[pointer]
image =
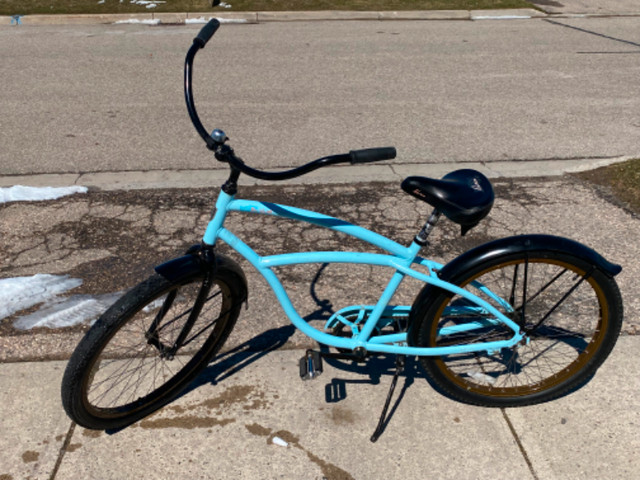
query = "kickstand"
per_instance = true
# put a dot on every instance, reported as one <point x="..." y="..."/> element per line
<point x="400" y="361"/>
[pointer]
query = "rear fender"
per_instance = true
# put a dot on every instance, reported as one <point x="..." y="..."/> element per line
<point x="527" y="243"/>
<point x="505" y="247"/>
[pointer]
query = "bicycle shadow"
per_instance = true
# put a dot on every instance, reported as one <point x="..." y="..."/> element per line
<point x="376" y="368"/>
<point x="242" y="356"/>
<point x="233" y="361"/>
<point x="371" y="372"/>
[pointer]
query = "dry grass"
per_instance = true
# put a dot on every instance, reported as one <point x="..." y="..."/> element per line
<point x="621" y="180"/>
<point x="13" y="7"/>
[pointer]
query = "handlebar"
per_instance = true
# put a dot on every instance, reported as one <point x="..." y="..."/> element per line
<point x="372" y="154"/>
<point x="206" y="32"/>
<point x="225" y="153"/>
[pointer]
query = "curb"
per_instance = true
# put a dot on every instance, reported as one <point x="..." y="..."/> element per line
<point x="169" y="179"/>
<point x="293" y="16"/>
<point x="263" y="17"/>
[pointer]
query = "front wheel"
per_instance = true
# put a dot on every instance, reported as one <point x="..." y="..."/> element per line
<point x="139" y="356"/>
<point x="571" y="313"/>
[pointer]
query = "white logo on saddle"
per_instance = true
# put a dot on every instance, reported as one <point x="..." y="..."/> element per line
<point x="475" y="185"/>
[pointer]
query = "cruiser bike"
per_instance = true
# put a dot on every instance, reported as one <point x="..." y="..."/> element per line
<point x="516" y="321"/>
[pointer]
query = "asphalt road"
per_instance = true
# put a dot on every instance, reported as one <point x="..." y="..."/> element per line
<point x="109" y="97"/>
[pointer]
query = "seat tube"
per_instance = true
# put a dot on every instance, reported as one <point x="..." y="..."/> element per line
<point x="422" y="237"/>
<point x="384" y="300"/>
<point x="215" y="224"/>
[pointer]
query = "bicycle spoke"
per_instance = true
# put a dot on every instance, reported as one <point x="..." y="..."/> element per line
<point x="120" y="379"/>
<point x="202" y="330"/>
<point x="187" y="312"/>
<point x="565" y="296"/>
<point x="524" y="292"/>
<point x="544" y="288"/>
<point x="514" y="285"/>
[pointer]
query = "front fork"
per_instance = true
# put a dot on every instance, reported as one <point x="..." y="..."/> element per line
<point x="205" y="255"/>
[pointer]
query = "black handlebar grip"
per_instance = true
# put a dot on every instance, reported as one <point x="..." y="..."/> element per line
<point x="372" y="154"/>
<point x="207" y="32"/>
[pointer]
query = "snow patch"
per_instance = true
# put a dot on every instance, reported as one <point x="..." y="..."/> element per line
<point x="24" y="292"/>
<point x="74" y="310"/>
<point x="221" y="20"/>
<point x="500" y="17"/>
<point x="482" y="378"/>
<point x="149" y="21"/>
<point x="148" y="3"/>
<point x="19" y="193"/>
<point x="20" y="293"/>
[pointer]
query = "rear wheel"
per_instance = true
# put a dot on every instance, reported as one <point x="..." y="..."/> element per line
<point x="571" y="311"/>
<point x="129" y="364"/>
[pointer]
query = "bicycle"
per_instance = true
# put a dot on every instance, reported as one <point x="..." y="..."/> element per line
<point x="516" y="321"/>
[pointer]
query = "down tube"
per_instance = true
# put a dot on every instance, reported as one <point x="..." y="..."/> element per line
<point x="281" y="294"/>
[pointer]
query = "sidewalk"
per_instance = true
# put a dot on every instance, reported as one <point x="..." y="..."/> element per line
<point x="589" y="7"/>
<point x="223" y="429"/>
<point x="566" y="8"/>
<point x="136" y="180"/>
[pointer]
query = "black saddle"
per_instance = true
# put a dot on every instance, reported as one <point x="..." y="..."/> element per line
<point x="463" y="196"/>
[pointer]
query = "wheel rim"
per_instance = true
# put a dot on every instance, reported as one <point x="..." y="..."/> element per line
<point x="129" y="373"/>
<point x="557" y="350"/>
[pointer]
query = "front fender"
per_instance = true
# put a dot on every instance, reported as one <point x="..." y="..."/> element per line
<point x="179" y="269"/>
<point x="182" y="268"/>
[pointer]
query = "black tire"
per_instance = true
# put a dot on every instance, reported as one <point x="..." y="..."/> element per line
<point x="117" y="374"/>
<point x="562" y="353"/>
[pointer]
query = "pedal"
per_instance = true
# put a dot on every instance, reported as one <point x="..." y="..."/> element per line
<point x="310" y="365"/>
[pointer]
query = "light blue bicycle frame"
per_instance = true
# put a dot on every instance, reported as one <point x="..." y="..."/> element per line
<point x="400" y="259"/>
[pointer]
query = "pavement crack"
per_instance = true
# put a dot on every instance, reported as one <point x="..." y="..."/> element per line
<point x="591" y="32"/>
<point x="17" y="253"/>
<point x="519" y="443"/>
<point x="63" y="450"/>
<point x="393" y="170"/>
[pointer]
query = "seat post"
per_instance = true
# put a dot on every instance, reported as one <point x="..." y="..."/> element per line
<point x="422" y="237"/>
